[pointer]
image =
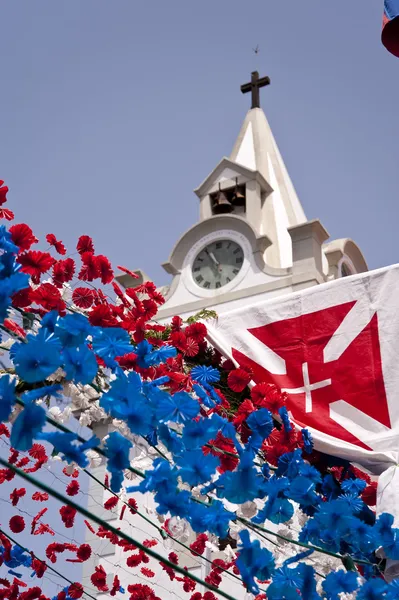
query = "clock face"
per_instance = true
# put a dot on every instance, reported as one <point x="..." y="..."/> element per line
<point x="217" y="264"/>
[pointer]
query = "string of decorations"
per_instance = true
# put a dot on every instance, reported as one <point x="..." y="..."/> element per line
<point x="216" y="456"/>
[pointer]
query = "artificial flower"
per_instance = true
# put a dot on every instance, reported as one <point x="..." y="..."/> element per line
<point x="58" y="245"/>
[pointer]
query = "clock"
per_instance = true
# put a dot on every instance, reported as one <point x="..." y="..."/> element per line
<point x="217" y="264"/>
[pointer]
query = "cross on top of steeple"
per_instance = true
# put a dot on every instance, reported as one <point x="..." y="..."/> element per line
<point x="255" y="84"/>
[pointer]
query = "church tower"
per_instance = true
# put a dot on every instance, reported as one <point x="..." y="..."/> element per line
<point x="253" y="240"/>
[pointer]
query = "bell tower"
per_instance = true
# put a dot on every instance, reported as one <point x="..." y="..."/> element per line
<point x="253" y="240"/>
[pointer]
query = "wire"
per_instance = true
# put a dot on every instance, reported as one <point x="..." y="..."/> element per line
<point x="44" y="562"/>
<point x="112" y="529"/>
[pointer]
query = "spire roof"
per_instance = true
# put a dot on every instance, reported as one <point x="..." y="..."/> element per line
<point x="256" y="149"/>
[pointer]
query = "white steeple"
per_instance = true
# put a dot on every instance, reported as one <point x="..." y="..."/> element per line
<point x="256" y="149"/>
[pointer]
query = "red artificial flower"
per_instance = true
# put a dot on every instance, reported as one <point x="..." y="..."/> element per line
<point x="38" y="452"/>
<point x="133" y="505"/>
<point x="38" y="566"/>
<point x="266" y="395"/>
<point x="22" y="299"/>
<point x="197" y="331"/>
<point x="90" y="267"/>
<point x="6" y="213"/>
<point x="210" y="596"/>
<point x="128" y="272"/>
<point x="238" y="379"/>
<point x="150" y="309"/>
<point x="72" y="488"/>
<point x="192" y="347"/>
<point x="42" y="529"/>
<point x="111" y="502"/>
<point x="85" y="244"/>
<point x="176" y="323"/>
<point x="127" y="361"/>
<point x="63" y="271"/>
<point x="14" y="327"/>
<point x="99" y="579"/>
<point x="37" y="518"/>
<point x="102" y="316"/>
<point x="3" y="192"/>
<point x="75" y="590"/>
<point x="17" y="524"/>
<point x="178" y="340"/>
<point x="83" y="297"/>
<point x="224" y="444"/>
<point x="68" y="514"/>
<point x="134" y="560"/>
<point x="198" y="546"/>
<point x="116" y="584"/>
<point x="104" y="269"/>
<point x="16" y="495"/>
<point x="84" y="552"/>
<point x="35" y="263"/>
<point x="22" y="236"/>
<point x="369" y="494"/>
<point x="147" y="572"/>
<point x="49" y="297"/>
<point x="139" y="591"/>
<point x="31" y="594"/>
<point x="4" y="430"/>
<point x="150" y="543"/>
<point x="173" y="558"/>
<point x="59" y="246"/>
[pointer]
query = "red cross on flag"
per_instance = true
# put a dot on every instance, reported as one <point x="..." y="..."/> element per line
<point x="334" y="349"/>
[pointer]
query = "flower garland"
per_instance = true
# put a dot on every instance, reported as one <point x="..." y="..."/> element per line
<point x="219" y="459"/>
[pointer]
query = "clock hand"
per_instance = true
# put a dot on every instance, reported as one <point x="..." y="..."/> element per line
<point x="212" y="257"/>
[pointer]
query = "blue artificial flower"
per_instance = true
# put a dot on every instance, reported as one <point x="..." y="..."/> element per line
<point x="111" y="342"/>
<point x="47" y="390"/>
<point x="353" y="486"/>
<point x="126" y="401"/>
<point x="393" y="590"/>
<point x="353" y="501"/>
<point x="204" y="374"/>
<point x="148" y="357"/>
<point x="7" y="396"/>
<point x="162" y="478"/>
<point x="198" y="433"/>
<point x="9" y="286"/>
<point x="196" y="468"/>
<point x="285" y="584"/>
<point x="80" y="364"/>
<point x="373" y="589"/>
<point x="6" y="242"/>
<point x="179" y="408"/>
<point x="175" y="502"/>
<point x="285" y="418"/>
<point x="117" y="449"/>
<point x="171" y="440"/>
<point x="261" y="422"/>
<point x="204" y="396"/>
<point x="387" y="536"/>
<point x="243" y="484"/>
<point x="66" y="444"/>
<point x="307" y="441"/>
<point x="338" y="582"/>
<point x="27" y="426"/>
<point x="254" y="562"/>
<point x="298" y="557"/>
<point x="50" y="320"/>
<point x="38" y="358"/>
<point x="303" y="491"/>
<point x="73" y="329"/>
<point x="216" y="519"/>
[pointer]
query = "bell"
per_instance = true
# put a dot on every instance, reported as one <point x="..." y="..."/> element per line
<point x="238" y="197"/>
<point x="222" y="204"/>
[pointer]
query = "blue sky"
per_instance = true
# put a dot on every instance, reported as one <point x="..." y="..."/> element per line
<point x="112" y="112"/>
